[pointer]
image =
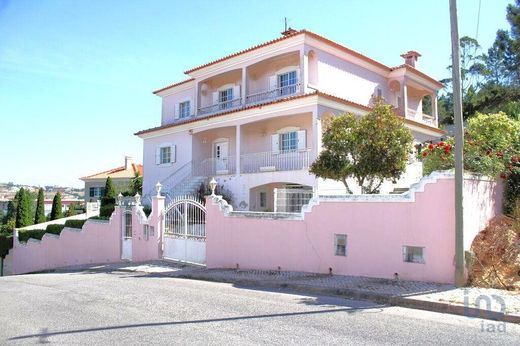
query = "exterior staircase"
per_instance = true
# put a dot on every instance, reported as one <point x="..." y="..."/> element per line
<point x="399" y="190"/>
<point x="189" y="187"/>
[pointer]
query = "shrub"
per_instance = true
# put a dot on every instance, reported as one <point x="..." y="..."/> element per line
<point x="107" y="206"/>
<point x="54" y="229"/>
<point x="147" y="211"/>
<point x="512" y="190"/>
<point x="75" y="223"/>
<point x="24" y="235"/>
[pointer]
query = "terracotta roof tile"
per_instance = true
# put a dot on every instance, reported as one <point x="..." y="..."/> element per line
<point x="416" y="71"/>
<point x="118" y="172"/>
<point x="174" y="85"/>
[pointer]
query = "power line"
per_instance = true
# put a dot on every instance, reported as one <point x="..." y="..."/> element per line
<point x="478" y="18"/>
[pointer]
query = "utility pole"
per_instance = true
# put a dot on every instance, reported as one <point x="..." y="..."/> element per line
<point x="459" y="148"/>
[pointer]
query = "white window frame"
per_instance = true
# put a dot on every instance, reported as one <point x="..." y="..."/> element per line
<point x="159" y="157"/>
<point x="163" y="159"/>
<point x="288" y="142"/>
<point x="184" y="109"/>
<point x="290" y="88"/>
<point x="410" y="258"/>
<point x="343" y="253"/>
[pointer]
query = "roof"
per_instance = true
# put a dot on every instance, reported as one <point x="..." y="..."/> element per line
<point x="286" y="99"/>
<point x="417" y="72"/>
<point x="115" y="173"/>
<point x="297" y="33"/>
<point x="174" y="85"/>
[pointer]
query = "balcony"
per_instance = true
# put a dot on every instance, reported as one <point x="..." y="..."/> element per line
<point x="273" y="162"/>
<point x="421" y="117"/>
<point x="276" y="93"/>
<point x="221" y="106"/>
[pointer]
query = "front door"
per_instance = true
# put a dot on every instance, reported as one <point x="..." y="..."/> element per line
<point x="221" y="156"/>
<point x="126" y="252"/>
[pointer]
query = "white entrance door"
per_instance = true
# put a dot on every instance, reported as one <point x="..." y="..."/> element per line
<point x="221" y="152"/>
<point x="126" y="252"/>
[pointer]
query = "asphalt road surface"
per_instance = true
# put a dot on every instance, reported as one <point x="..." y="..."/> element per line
<point x="138" y="309"/>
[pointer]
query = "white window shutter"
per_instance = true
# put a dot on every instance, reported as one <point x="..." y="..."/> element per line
<point x="273" y="82"/>
<point x="174" y="153"/>
<point x="236" y="92"/>
<point x="176" y="111"/>
<point x="192" y="107"/>
<point x="301" y="140"/>
<point x="158" y="156"/>
<point x="275" y="143"/>
<point x="298" y="76"/>
<point x="215" y="97"/>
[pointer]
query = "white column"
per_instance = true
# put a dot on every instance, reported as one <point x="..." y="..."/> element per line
<point x="434" y="109"/>
<point x="405" y="98"/>
<point x="237" y="150"/>
<point x="243" y="88"/>
<point x="316" y="135"/>
<point x="303" y="70"/>
<point x="196" y="99"/>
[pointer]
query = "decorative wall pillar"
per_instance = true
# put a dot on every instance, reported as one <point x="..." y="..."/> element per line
<point x="435" y="109"/>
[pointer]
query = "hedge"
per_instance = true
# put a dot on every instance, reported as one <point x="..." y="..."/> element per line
<point x="55" y="229"/>
<point x="24" y="235"/>
<point x="75" y="223"/>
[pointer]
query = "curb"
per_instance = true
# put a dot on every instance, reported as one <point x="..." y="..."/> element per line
<point x="378" y="298"/>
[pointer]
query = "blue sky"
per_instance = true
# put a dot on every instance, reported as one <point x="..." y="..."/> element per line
<point x="76" y="77"/>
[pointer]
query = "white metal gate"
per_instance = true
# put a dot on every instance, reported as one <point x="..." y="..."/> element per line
<point x="185" y="230"/>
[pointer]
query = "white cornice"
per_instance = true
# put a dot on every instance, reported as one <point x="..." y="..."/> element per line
<point x="177" y="89"/>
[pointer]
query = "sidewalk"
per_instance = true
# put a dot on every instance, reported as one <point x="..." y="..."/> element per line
<point x="495" y="304"/>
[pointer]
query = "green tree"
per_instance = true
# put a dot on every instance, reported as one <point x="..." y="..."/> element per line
<point x="491" y="143"/>
<point x="23" y="211"/>
<point x="39" y="215"/>
<point x="136" y="184"/>
<point x="56" y="212"/>
<point x="110" y="192"/>
<point x="369" y="149"/>
<point x="11" y="212"/>
<point x="71" y="211"/>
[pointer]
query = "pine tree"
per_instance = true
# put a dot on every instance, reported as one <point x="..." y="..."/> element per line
<point x="110" y="192"/>
<point x="39" y="216"/>
<point x="71" y="211"/>
<point x="56" y="212"/>
<point x="23" y="210"/>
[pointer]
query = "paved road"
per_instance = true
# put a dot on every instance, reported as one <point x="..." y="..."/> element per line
<point x="137" y="308"/>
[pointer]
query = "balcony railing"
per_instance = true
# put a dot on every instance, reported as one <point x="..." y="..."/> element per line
<point x="271" y="161"/>
<point x="420" y="116"/>
<point x="221" y="106"/>
<point x="285" y="91"/>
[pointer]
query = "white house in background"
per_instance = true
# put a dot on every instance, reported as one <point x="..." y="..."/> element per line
<point x="253" y="119"/>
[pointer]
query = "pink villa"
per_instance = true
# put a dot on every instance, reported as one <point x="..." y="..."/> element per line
<point x="253" y="119"/>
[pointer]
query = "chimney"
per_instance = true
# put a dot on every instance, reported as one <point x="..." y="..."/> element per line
<point x="289" y="31"/>
<point x="128" y="162"/>
<point x="411" y="57"/>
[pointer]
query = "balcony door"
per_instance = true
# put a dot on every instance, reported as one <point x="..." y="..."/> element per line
<point x="220" y="154"/>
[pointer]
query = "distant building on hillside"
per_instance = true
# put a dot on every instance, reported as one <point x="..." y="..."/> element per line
<point x="121" y="177"/>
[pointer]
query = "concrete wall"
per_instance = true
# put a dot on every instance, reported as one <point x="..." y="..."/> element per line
<point x="97" y="242"/>
<point x="423" y="218"/>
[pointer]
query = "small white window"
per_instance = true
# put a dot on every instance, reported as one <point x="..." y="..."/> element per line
<point x="287" y="83"/>
<point x="288" y="141"/>
<point x="165" y="155"/>
<point x="225" y="98"/>
<point x="263" y="199"/>
<point x="413" y="254"/>
<point x="184" y="109"/>
<point x="340" y="244"/>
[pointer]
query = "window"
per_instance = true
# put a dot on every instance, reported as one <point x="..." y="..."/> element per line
<point x="340" y="244"/>
<point x="287" y="83"/>
<point x="289" y="141"/>
<point x="96" y="192"/>
<point x="184" y="109"/>
<point x="225" y="98"/>
<point x="413" y="254"/>
<point x="166" y="155"/>
<point x="263" y="199"/>
<point x="128" y="225"/>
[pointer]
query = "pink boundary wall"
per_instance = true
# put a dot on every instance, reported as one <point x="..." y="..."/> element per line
<point x="97" y="242"/>
<point x="376" y="229"/>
